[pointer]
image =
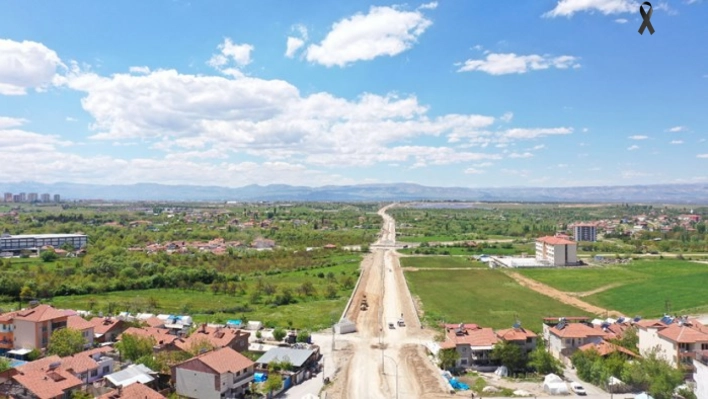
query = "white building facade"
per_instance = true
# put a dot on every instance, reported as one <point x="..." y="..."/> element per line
<point x="556" y="251"/>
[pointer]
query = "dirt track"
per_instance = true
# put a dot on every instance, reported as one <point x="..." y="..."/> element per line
<point x="561" y="296"/>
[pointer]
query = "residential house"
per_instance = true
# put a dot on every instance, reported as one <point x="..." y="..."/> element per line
<point x="45" y="379"/>
<point x="522" y="337"/>
<point x="163" y="339"/>
<point x="77" y="322"/>
<point x="7" y="340"/>
<point x="606" y="349"/>
<point x="473" y="343"/>
<point x="565" y="337"/>
<point x="213" y="375"/>
<point x="89" y="366"/>
<point x="218" y="337"/>
<point x="34" y="326"/>
<point x="300" y="359"/>
<point x="133" y="391"/>
<point x="107" y="329"/>
<point x="677" y="340"/>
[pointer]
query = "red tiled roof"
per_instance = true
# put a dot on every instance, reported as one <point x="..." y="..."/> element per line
<point x="515" y="334"/>
<point x="45" y="383"/>
<point x="7" y="317"/>
<point x="577" y="330"/>
<point x="132" y="391"/>
<point x="154" y="321"/>
<point x="102" y="325"/>
<point x="78" y="323"/>
<point x="218" y="337"/>
<point x="472" y="337"/>
<point x="223" y="360"/>
<point x="555" y="241"/>
<point x="605" y="348"/>
<point x="83" y="361"/>
<point x="686" y="333"/>
<point x="650" y="323"/>
<point x="40" y="313"/>
<point x="160" y="335"/>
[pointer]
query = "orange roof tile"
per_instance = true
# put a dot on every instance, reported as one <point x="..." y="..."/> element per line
<point x="78" y="323"/>
<point x="685" y="333"/>
<point x="218" y="337"/>
<point x="605" y="348"/>
<point x="650" y="323"/>
<point x="43" y="382"/>
<point x="515" y="334"/>
<point x="133" y="391"/>
<point x="154" y="321"/>
<point x="472" y="337"/>
<point x="102" y="325"/>
<point x="160" y="335"/>
<point x="555" y="241"/>
<point x="40" y="313"/>
<point x="223" y="360"/>
<point x="577" y="330"/>
<point x="83" y="361"/>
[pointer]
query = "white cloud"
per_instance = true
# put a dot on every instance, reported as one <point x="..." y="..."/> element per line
<point x="676" y="141"/>
<point x="633" y="147"/>
<point x="483" y="164"/>
<point x="139" y="69"/>
<point x="520" y="155"/>
<point x="585" y="130"/>
<point x="26" y="65"/>
<point x="503" y="64"/>
<point x="516" y="172"/>
<point x="677" y="129"/>
<point x="519" y="133"/>
<point x="566" y="8"/>
<point x="538" y="147"/>
<point x="621" y="20"/>
<point x="71" y="119"/>
<point x="702" y="156"/>
<point x="7" y="122"/>
<point x="231" y="58"/>
<point x="384" y="31"/>
<point x="633" y="174"/>
<point x="662" y="6"/>
<point x="507" y="117"/>
<point x="293" y="45"/>
<point x="429" y="6"/>
<point x="638" y="137"/>
<point x="473" y="171"/>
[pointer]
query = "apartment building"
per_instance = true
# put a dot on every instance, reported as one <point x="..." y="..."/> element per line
<point x="57" y="198"/>
<point x="46" y="197"/>
<point x="7" y="340"/>
<point x="8" y="197"/>
<point x="216" y="374"/>
<point x="556" y="251"/>
<point x="10" y="243"/>
<point x="33" y="327"/>
<point x="677" y="340"/>
<point x="700" y="376"/>
<point x="584" y="232"/>
<point x="32" y="197"/>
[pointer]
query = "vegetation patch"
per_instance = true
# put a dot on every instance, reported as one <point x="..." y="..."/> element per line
<point x="435" y="262"/>
<point x="485" y="297"/>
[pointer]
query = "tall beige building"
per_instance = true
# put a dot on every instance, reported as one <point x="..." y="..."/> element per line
<point x="556" y="251"/>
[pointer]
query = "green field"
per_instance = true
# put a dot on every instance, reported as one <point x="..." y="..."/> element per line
<point x="516" y="250"/>
<point x="644" y="286"/>
<point x="440" y="262"/>
<point x="485" y="297"/>
<point x="450" y="238"/>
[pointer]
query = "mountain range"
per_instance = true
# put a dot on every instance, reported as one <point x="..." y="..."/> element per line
<point x="660" y="193"/>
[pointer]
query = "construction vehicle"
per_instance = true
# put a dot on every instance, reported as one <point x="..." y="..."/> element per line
<point x="364" y="304"/>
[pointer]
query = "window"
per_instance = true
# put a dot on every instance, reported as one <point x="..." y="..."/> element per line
<point x="106" y="369"/>
<point x="94" y="373"/>
<point x="529" y="340"/>
<point x="704" y="347"/>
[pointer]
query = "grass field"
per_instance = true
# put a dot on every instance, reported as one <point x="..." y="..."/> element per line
<point x="449" y="238"/>
<point x="485" y="297"/>
<point x="644" y="286"/>
<point x="469" y="251"/>
<point x="440" y="262"/>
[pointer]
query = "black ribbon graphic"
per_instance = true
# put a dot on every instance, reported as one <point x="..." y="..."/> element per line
<point x="646" y="17"/>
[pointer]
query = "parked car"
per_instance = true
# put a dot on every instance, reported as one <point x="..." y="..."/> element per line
<point x="577" y="388"/>
<point x="391" y="326"/>
<point x="401" y="323"/>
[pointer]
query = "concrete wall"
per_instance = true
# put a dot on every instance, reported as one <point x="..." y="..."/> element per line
<point x="195" y="384"/>
<point x="650" y="339"/>
<point x="25" y="334"/>
<point x="701" y="378"/>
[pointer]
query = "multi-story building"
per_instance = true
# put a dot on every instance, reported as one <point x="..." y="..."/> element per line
<point x="8" y="197"/>
<point x="677" y="340"/>
<point x="46" y="197"/>
<point x="700" y="376"/>
<point x="566" y="335"/>
<point x="474" y="344"/>
<point x="216" y="374"/>
<point x="23" y="197"/>
<point x="7" y="340"/>
<point x="34" y="326"/>
<point x="57" y="198"/>
<point x="584" y="232"/>
<point x="32" y="197"/>
<point x="15" y="243"/>
<point x="16" y="198"/>
<point x="556" y="251"/>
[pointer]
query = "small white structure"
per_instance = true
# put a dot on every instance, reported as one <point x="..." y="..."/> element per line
<point x="643" y="395"/>
<point x="254" y="325"/>
<point x="554" y="385"/>
<point x="345" y="326"/>
<point x="130" y="375"/>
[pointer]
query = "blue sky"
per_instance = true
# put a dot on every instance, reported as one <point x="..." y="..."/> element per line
<point x="448" y="93"/>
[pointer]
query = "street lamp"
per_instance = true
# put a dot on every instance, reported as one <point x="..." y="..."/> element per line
<point x="396" y="363"/>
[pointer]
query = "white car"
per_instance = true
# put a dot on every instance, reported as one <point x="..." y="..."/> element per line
<point x="577" y="388"/>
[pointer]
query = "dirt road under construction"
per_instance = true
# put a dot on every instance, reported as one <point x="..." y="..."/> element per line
<point x="378" y="362"/>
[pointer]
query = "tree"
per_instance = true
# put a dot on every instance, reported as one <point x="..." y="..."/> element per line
<point x="66" y="342"/>
<point x="447" y="358"/>
<point x="48" y="256"/>
<point x="26" y="293"/>
<point x="200" y="346"/>
<point x="303" y="336"/>
<point x="133" y="347"/>
<point x="629" y="340"/>
<point x="543" y="362"/>
<point x="81" y="395"/>
<point x="653" y="374"/>
<point x="279" y="334"/>
<point x="273" y="383"/>
<point x="331" y="292"/>
<point x="307" y="289"/>
<point x="34" y="355"/>
<point x="4" y="364"/>
<point x="509" y="355"/>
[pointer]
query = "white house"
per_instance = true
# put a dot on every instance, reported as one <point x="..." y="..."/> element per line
<point x="701" y="374"/>
<point x="675" y="339"/>
<point x="213" y="375"/>
<point x="556" y="251"/>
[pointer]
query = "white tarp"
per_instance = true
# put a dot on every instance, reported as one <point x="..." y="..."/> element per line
<point x="554" y="385"/>
<point x="345" y="326"/>
<point x="254" y="325"/>
<point x="502" y="371"/>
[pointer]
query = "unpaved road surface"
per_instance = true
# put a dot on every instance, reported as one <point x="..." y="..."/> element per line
<point x="378" y="362"/>
<point x="561" y="296"/>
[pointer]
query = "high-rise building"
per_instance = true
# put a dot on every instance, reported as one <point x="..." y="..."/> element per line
<point x="556" y="251"/>
<point x="16" y="198"/>
<point x="46" y="197"/>
<point x="23" y="197"/>
<point x="584" y="232"/>
<point x="57" y="198"/>
<point x="8" y="197"/>
<point x="32" y="197"/>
